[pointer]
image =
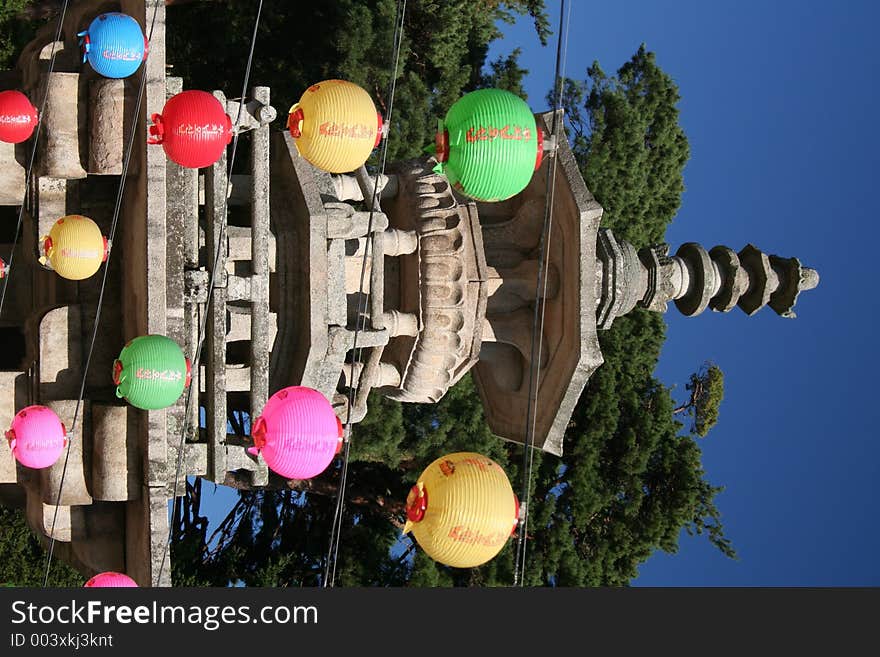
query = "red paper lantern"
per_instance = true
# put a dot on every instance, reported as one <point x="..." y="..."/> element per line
<point x="193" y="128"/>
<point x="18" y="117"/>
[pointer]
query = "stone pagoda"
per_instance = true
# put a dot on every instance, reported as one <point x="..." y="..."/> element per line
<point x="450" y="289"/>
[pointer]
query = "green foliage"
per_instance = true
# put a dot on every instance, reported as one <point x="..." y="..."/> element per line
<point x="23" y="559"/>
<point x="707" y="391"/>
<point x="632" y="151"/>
<point x="506" y="74"/>
<point x="442" y="54"/>
<point x="15" y="30"/>
<point x="629" y="481"/>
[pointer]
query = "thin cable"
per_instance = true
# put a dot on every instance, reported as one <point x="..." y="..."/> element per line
<point x="196" y="360"/>
<point x="33" y="157"/>
<point x="329" y="578"/>
<point x="116" y="212"/>
<point x="540" y="306"/>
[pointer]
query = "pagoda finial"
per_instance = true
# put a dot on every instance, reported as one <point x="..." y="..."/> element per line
<point x="696" y="279"/>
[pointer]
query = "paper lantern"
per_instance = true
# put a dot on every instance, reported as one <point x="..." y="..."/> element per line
<point x="462" y="510"/>
<point x="113" y="45"/>
<point x="151" y="372"/>
<point x="336" y="125"/>
<point x="74" y="247"/>
<point x="18" y="117"/>
<point x="111" y="580"/>
<point x="193" y="128"/>
<point x="297" y="433"/>
<point x="37" y="437"/>
<point x="489" y="146"/>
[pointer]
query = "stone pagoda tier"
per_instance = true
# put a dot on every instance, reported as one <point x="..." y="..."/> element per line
<point x="696" y="279"/>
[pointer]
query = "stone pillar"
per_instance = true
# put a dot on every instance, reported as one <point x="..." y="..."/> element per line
<point x="12" y="176"/>
<point x="260" y="333"/>
<point x="59" y="135"/>
<point x="107" y="127"/>
<point x="116" y="457"/>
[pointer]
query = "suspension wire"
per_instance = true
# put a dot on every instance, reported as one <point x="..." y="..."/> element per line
<point x="33" y="156"/>
<point x="540" y="295"/>
<point x="329" y="578"/>
<point x="116" y="212"/>
<point x="196" y="360"/>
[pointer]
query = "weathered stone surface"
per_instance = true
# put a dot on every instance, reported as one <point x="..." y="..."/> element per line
<point x="736" y="280"/>
<point x="701" y="275"/>
<point x="9" y="383"/>
<point x="78" y="471"/>
<point x="107" y="127"/>
<point x="442" y="283"/>
<point x="696" y="279"/>
<point x="12" y="175"/>
<point x="116" y="456"/>
<point x="59" y="141"/>
<point x="570" y="348"/>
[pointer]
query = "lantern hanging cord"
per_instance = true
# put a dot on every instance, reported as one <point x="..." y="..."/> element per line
<point x="557" y="131"/>
<point x="33" y="155"/>
<point x="116" y="212"/>
<point x="329" y="578"/>
<point x="197" y="356"/>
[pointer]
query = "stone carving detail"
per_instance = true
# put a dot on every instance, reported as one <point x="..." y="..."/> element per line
<point x="696" y="279"/>
<point x="450" y="308"/>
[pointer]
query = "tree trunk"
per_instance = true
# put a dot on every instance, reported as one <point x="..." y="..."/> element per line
<point x="378" y="503"/>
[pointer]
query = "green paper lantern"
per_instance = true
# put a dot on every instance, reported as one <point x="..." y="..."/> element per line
<point x="151" y="372"/>
<point x="488" y="146"/>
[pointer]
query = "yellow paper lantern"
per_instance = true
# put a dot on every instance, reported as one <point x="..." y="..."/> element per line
<point x="335" y="125"/>
<point x="74" y="247"/>
<point x="462" y="510"/>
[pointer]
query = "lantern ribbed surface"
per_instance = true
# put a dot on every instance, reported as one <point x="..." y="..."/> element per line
<point x="151" y="372"/>
<point x="114" y="45"/>
<point x="36" y="437"/>
<point x="338" y="128"/>
<point x="111" y="580"/>
<point x="18" y="117"/>
<point x="470" y="510"/>
<point x="493" y="145"/>
<point x="297" y="433"/>
<point x="75" y="247"/>
<point x="193" y="128"/>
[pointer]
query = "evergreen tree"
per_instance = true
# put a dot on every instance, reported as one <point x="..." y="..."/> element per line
<point x="442" y="53"/>
<point x="17" y="27"/>
<point x="632" y="151"/>
<point x="23" y="561"/>
<point x="707" y="391"/>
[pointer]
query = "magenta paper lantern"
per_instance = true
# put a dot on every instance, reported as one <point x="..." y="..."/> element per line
<point x="37" y="437"/>
<point x="111" y="580"/>
<point x="298" y="433"/>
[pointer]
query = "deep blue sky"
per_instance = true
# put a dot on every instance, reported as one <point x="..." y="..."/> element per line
<point x="777" y="102"/>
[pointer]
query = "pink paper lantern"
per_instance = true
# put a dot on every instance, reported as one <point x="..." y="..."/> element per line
<point x="37" y="437"/>
<point x="298" y="433"/>
<point x="111" y="580"/>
